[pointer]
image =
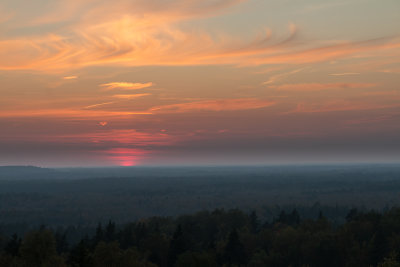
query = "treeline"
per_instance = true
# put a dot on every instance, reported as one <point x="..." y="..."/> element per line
<point x="149" y="192"/>
<point x="218" y="238"/>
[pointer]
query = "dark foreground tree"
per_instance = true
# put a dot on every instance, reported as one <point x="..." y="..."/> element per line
<point x="38" y="249"/>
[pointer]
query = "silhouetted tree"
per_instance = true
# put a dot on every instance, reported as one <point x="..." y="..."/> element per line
<point x="110" y="231"/>
<point x="12" y="247"/>
<point x="254" y="222"/>
<point x="234" y="251"/>
<point x="177" y="246"/>
<point x="38" y="249"/>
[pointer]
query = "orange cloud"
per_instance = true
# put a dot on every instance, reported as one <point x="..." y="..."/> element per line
<point x="130" y="96"/>
<point x="126" y="85"/>
<point x="92" y="111"/>
<point x="382" y="93"/>
<point x="141" y="33"/>
<point x="97" y="11"/>
<point x="214" y="105"/>
<point x="329" y="52"/>
<point x="309" y="87"/>
<point x="98" y="105"/>
<point x="335" y="106"/>
<point x="69" y="113"/>
<point x="274" y="78"/>
<point x="344" y="74"/>
<point x="70" y="77"/>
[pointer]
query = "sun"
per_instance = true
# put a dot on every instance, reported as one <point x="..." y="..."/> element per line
<point x="125" y="157"/>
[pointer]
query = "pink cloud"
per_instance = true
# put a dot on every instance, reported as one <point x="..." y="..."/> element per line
<point x="125" y="156"/>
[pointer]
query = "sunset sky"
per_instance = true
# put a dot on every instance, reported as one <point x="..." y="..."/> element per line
<point x="189" y="82"/>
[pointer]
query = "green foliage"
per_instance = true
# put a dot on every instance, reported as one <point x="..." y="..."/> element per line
<point x="390" y="261"/>
<point x="218" y="238"/>
<point x="196" y="259"/>
<point x="38" y="249"/>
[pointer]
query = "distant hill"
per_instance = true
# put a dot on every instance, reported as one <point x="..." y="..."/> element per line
<point x="25" y="172"/>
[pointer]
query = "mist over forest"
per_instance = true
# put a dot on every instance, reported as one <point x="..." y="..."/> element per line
<point x="85" y="196"/>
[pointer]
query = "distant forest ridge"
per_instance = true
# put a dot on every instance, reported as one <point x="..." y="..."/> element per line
<point x="34" y="172"/>
<point x="63" y="197"/>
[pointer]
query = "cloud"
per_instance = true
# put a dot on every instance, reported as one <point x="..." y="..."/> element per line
<point x="69" y="113"/>
<point x="391" y="70"/>
<point x="70" y="77"/>
<point x="98" y="105"/>
<point x="5" y="16"/>
<point x="328" y="52"/>
<point x="126" y="85"/>
<point x="335" y="106"/>
<point x="124" y="137"/>
<point x="382" y="93"/>
<point x="214" y="105"/>
<point x="369" y="120"/>
<point x="310" y="87"/>
<point x="143" y="33"/>
<point x="274" y="78"/>
<point x="130" y="96"/>
<point x="96" y="11"/>
<point x="92" y="111"/>
<point x="344" y="74"/>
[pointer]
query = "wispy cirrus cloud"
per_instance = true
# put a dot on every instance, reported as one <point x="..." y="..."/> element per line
<point x="95" y="11"/>
<point x="70" y="113"/>
<point x="335" y="106"/>
<point x="310" y="87"/>
<point x="73" y="77"/>
<point x="382" y="93"/>
<point x="344" y="74"/>
<point x="274" y="78"/>
<point x="99" y="105"/>
<point x="134" y="96"/>
<point x="143" y="33"/>
<point x="214" y="105"/>
<point x="125" y="85"/>
<point x="97" y="111"/>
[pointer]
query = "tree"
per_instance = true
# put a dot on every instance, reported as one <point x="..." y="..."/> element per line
<point x="177" y="246"/>
<point x="254" y="222"/>
<point x="390" y="261"/>
<point x="195" y="259"/>
<point x="234" y="251"/>
<point x="38" y="249"/>
<point x="110" y="231"/>
<point x="107" y="255"/>
<point x="12" y="247"/>
<point x="80" y="255"/>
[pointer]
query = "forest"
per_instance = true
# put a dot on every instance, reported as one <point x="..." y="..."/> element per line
<point x="30" y="197"/>
<point x="217" y="238"/>
<point x="347" y="215"/>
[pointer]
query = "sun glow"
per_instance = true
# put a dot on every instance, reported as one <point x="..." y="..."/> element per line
<point x="126" y="156"/>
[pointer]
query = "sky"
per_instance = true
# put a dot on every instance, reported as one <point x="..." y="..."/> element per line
<point x="199" y="82"/>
